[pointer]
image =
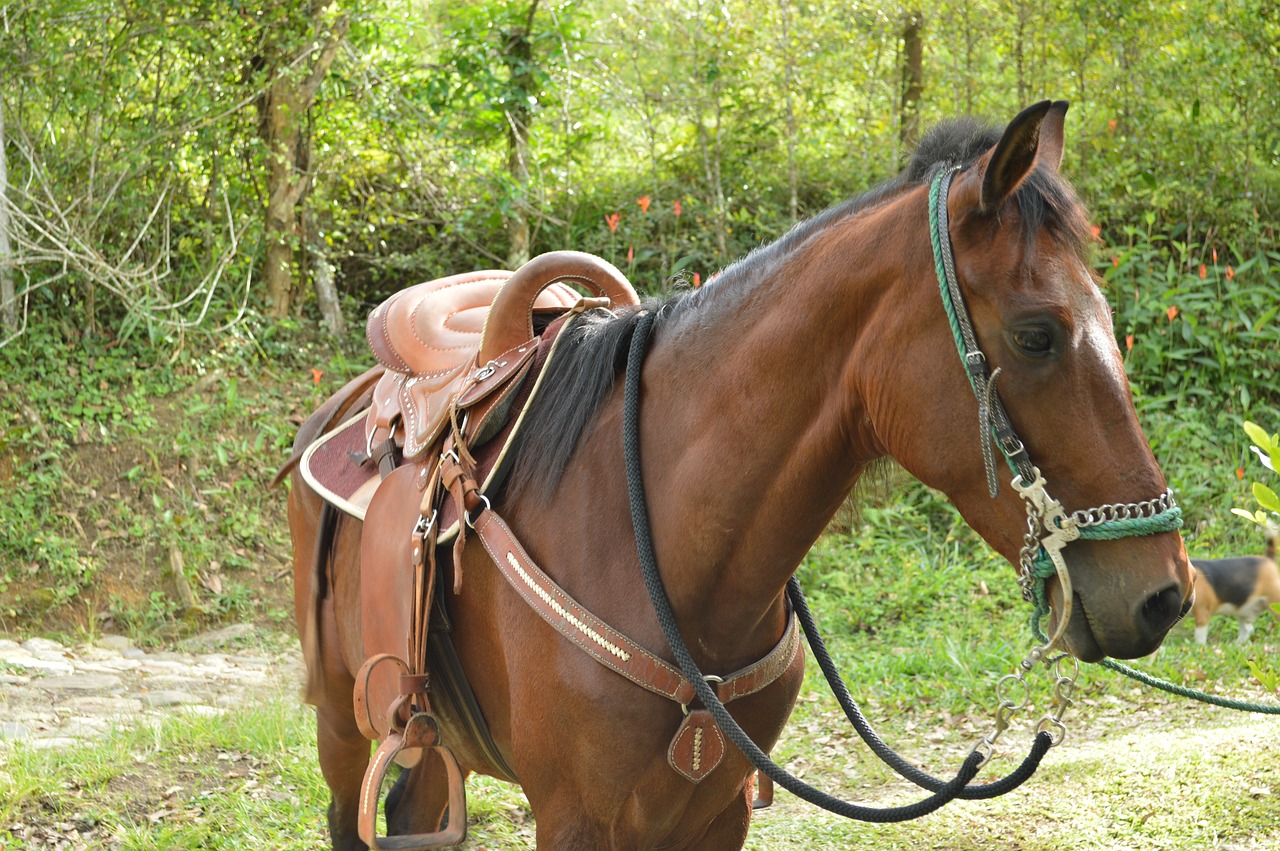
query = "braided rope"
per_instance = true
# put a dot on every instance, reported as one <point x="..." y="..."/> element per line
<point x="942" y="262"/>
<point x="1184" y="691"/>
<point x="1043" y="740"/>
<point x="685" y="661"/>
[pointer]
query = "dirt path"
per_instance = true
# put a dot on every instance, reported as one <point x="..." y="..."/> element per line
<point x="1139" y="771"/>
<point x="52" y="695"/>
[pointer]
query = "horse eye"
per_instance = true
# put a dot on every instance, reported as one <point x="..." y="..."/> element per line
<point x="1033" y="341"/>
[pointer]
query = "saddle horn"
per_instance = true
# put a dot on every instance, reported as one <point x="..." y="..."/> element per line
<point x="510" y="320"/>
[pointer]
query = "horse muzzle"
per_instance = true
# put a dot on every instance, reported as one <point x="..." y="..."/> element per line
<point x="1118" y="612"/>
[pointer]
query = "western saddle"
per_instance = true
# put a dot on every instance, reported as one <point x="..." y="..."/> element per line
<point x="458" y="355"/>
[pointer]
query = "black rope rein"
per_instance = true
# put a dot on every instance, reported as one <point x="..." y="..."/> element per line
<point x="943" y="792"/>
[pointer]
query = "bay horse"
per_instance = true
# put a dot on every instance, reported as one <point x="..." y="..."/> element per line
<point x="767" y="393"/>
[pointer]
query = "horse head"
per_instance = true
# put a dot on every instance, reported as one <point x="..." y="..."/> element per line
<point x="1019" y="239"/>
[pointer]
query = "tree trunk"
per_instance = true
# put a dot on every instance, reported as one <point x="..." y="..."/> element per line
<point x="284" y="107"/>
<point x="517" y="55"/>
<point x="8" y="298"/>
<point x="1019" y="53"/>
<point x="284" y="188"/>
<point x="912" y="77"/>
<point x="322" y="276"/>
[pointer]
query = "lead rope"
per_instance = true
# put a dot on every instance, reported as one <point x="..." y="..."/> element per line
<point x="943" y="793"/>
<point x="1043" y="741"/>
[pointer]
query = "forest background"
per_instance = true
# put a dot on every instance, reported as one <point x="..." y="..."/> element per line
<point x="200" y="202"/>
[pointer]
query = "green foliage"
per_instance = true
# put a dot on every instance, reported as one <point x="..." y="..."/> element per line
<point x="1267" y="515"/>
<point x="134" y="459"/>
<point x="1199" y="337"/>
<point x="1267" y="447"/>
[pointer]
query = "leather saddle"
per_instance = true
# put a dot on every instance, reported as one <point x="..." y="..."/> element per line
<point x="456" y="341"/>
<point x="457" y="354"/>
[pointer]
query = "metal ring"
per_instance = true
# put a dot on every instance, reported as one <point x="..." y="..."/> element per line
<point x="1005" y="700"/>
<point x="710" y="678"/>
<point x="487" y="507"/>
<point x="1051" y="726"/>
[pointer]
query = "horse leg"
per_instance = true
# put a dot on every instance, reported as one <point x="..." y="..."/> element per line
<point x="343" y="750"/>
<point x="728" y="831"/>
<point x="344" y="754"/>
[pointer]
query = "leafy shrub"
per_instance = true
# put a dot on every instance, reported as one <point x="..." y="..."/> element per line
<point x="1201" y="342"/>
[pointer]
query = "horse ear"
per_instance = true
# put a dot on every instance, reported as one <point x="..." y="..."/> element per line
<point x="1013" y="156"/>
<point x="1052" y="137"/>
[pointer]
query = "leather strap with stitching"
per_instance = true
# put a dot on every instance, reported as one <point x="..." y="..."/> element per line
<point x="605" y="644"/>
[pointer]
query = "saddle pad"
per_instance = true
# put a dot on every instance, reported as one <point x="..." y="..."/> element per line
<point x="337" y="467"/>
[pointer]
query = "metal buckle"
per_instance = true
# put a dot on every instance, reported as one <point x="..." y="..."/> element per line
<point x="488" y="370"/>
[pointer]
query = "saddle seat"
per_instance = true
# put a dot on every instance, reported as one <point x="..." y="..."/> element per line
<point x="455" y="341"/>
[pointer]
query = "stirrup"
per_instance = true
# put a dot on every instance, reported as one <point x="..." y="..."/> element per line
<point x="420" y="732"/>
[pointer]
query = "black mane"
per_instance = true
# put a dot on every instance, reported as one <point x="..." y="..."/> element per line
<point x="593" y="350"/>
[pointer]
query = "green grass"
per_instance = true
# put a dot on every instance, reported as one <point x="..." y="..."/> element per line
<point x="1138" y="772"/>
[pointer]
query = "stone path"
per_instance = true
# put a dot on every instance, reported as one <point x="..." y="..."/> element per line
<point x="53" y="695"/>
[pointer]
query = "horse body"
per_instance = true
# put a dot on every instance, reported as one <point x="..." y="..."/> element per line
<point x="767" y="394"/>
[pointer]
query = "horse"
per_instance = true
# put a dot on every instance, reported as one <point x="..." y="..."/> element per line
<point x="768" y="393"/>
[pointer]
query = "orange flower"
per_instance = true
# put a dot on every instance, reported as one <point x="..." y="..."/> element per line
<point x="677" y="206"/>
<point x="1172" y="312"/>
<point x="1214" y="254"/>
<point x="315" y="375"/>
<point x="1111" y="125"/>
<point x="631" y="253"/>
<point x="1203" y="271"/>
<point x="643" y="201"/>
<point x="1097" y="231"/>
<point x="1239" y="472"/>
<point x="1115" y="262"/>
<point x="697" y="279"/>
<point x="612" y="221"/>
<point x="1128" y="342"/>
<point x="1231" y="273"/>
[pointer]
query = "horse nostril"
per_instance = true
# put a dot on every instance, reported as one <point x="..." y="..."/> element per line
<point x="1162" y="609"/>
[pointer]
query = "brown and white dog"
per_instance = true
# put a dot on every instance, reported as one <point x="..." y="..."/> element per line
<point x="1244" y="587"/>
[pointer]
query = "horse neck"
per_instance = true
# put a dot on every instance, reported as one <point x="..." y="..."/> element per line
<point x="754" y="420"/>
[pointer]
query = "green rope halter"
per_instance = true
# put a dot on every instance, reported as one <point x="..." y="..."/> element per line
<point x="1113" y="530"/>
<point x="1163" y="516"/>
